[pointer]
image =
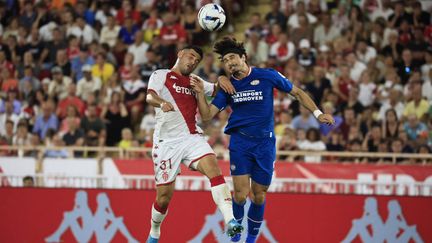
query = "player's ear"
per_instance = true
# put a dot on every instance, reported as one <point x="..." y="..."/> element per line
<point x="180" y="53"/>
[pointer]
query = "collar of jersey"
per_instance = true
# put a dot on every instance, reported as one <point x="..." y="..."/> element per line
<point x="250" y="71"/>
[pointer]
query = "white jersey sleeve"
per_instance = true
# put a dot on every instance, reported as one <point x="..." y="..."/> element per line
<point x="209" y="88"/>
<point x="157" y="81"/>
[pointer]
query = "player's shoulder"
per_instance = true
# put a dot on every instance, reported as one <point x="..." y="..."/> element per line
<point x="265" y="71"/>
<point x="160" y="74"/>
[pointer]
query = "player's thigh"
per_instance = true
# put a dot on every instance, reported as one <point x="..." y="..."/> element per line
<point x="167" y="158"/>
<point x="241" y="185"/>
<point x="208" y="166"/>
<point x="197" y="150"/>
<point x="265" y="156"/>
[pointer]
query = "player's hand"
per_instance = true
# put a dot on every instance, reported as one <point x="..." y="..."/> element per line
<point x="226" y="85"/>
<point x="197" y="84"/>
<point x="326" y="119"/>
<point x="166" y="106"/>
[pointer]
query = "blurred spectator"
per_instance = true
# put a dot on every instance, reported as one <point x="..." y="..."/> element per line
<point x="303" y="31"/>
<point x="59" y="85"/>
<point x="7" y="115"/>
<point x="22" y="136"/>
<point x="257" y="26"/>
<point x="127" y="140"/>
<point x="365" y="52"/>
<point x="70" y="100"/>
<point x="372" y="139"/>
<point x="152" y="26"/>
<point x="188" y="20"/>
<point x="45" y="121"/>
<point x="127" y="11"/>
<point x="283" y="49"/>
<point x="417" y="105"/>
<point x="335" y="142"/>
<point x="273" y="36"/>
<point x="356" y="66"/>
<point x="312" y="143"/>
<point x="28" y="181"/>
<point x="325" y="32"/>
<point x="172" y="34"/>
<point x="29" y="78"/>
<point x="135" y="92"/>
<point x="367" y="89"/>
<point x="82" y="31"/>
<point x="101" y="68"/>
<point x="275" y="16"/>
<point x="319" y="86"/>
<point x="343" y="83"/>
<point x="127" y="31"/>
<point x="116" y="118"/>
<point x="305" y="120"/>
<point x="148" y="124"/>
<point x="109" y="32"/>
<point x="7" y="81"/>
<point x="283" y="124"/>
<point x="208" y="66"/>
<point x="8" y="135"/>
<point x="49" y="53"/>
<point x="293" y="21"/>
<point x="328" y="108"/>
<point x="71" y="113"/>
<point x="305" y="56"/>
<point x="88" y="84"/>
<point x="393" y="102"/>
<point x="257" y="50"/>
<point x="75" y="135"/>
<point x="93" y="127"/>
<point x="79" y="62"/>
<point x="53" y="140"/>
<point x="139" y="49"/>
<point x="399" y="15"/>
<point x="390" y="125"/>
<point x="413" y="127"/>
<point x="12" y="97"/>
<point x="62" y="62"/>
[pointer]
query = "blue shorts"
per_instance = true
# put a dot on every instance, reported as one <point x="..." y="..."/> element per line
<point x="253" y="156"/>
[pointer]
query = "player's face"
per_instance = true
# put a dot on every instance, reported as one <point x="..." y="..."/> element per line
<point x="188" y="61"/>
<point x="233" y="62"/>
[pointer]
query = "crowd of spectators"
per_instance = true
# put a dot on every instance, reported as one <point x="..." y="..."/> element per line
<point x="75" y="72"/>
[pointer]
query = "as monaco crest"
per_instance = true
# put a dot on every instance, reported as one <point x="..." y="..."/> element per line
<point x="165" y="176"/>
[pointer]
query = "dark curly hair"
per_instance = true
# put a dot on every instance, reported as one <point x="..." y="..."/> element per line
<point x="229" y="45"/>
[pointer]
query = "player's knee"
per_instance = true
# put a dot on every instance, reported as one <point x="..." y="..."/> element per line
<point x="240" y="196"/>
<point x="258" y="198"/>
<point x="163" y="201"/>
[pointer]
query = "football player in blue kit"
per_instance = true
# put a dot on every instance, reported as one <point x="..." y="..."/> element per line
<point x="250" y="125"/>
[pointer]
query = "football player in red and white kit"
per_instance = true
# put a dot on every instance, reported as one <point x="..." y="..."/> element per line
<point x="177" y="139"/>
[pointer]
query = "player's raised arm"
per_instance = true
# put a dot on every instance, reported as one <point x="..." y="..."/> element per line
<point x="307" y="102"/>
<point x="207" y="111"/>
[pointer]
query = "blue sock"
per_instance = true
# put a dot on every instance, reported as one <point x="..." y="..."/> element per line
<point x="238" y="211"/>
<point x="255" y="218"/>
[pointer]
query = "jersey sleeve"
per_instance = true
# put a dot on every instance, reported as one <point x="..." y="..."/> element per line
<point x="221" y="100"/>
<point x="209" y="88"/>
<point x="157" y="81"/>
<point x="280" y="81"/>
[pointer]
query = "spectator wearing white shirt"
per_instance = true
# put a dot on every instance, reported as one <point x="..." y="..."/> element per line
<point x="364" y="52"/>
<point x="257" y="50"/>
<point x="148" y="124"/>
<point x="300" y="10"/>
<point x="8" y="115"/>
<point x="110" y="32"/>
<point x="283" y="49"/>
<point x="139" y="49"/>
<point x="325" y="32"/>
<point x="356" y="66"/>
<point x="88" y="84"/>
<point x="59" y="85"/>
<point x="312" y="143"/>
<point x="82" y="30"/>
<point x="393" y="102"/>
<point x="425" y="68"/>
<point x="366" y="90"/>
<point x="103" y="14"/>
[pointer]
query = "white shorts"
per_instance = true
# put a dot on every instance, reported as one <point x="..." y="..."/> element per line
<point x="168" y="154"/>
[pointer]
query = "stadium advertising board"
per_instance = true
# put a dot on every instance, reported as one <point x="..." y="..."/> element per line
<point x="71" y="215"/>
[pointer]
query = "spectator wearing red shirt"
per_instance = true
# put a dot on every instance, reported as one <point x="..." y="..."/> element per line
<point x="70" y="100"/>
<point x="126" y="68"/>
<point x="127" y="11"/>
<point x="4" y="63"/>
<point x="171" y="35"/>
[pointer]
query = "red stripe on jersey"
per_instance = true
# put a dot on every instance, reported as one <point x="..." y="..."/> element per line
<point x="179" y="87"/>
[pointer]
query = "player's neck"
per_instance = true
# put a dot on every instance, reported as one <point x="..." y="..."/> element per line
<point x="243" y="73"/>
<point x="176" y="69"/>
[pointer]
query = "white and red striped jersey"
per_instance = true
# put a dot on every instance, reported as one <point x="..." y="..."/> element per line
<point x="176" y="89"/>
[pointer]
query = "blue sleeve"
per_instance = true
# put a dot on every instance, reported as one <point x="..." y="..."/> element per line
<point x="280" y="81"/>
<point x="221" y="100"/>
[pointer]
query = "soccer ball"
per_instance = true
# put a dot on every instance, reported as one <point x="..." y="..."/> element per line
<point x="211" y="17"/>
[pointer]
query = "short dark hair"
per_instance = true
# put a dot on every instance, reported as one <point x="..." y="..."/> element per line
<point x="197" y="49"/>
<point x="229" y="45"/>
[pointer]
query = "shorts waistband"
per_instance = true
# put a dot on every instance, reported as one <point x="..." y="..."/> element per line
<point x="256" y="135"/>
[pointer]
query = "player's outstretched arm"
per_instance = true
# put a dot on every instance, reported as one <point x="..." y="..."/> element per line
<point x="155" y="100"/>
<point x="307" y="102"/>
<point x="207" y="111"/>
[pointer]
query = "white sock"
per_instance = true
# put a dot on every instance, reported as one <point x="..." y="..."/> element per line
<point x="222" y="197"/>
<point x="156" y="221"/>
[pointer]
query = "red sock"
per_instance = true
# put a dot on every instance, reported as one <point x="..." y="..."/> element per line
<point x="217" y="180"/>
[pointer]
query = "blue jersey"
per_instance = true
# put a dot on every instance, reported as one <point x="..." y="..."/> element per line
<point x="252" y="104"/>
